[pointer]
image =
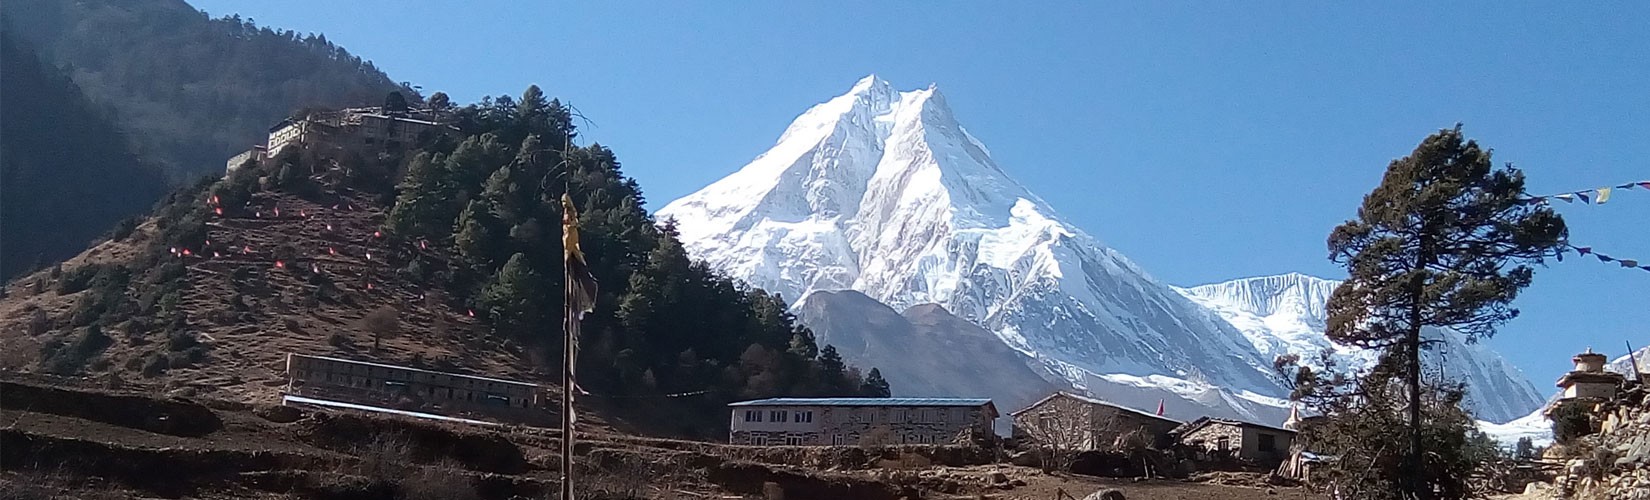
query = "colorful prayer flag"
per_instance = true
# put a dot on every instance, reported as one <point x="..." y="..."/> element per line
<point x="1629" y="263"/>
<point x="1583" y="196"/>
<point x="1603" y="195"/>
<point x="1604" y="258"/>
<point x="1584" y="250"/>
<point x="1567" y="197"/>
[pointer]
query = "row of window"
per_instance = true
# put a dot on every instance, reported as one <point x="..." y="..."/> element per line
<point x="863" y="415"/>
<point x="780" y="416"/>
<point x="762" y="440"/>
<point x="429" y="391"/>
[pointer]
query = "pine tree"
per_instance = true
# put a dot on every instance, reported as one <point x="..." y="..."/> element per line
<point x="832" y="368"/>
<point x="875" y="386"/>
<point x="477" y="239"/>
<point x="1446" y="240"/>
<point x="420" y="199"/>
<point x="512" y="299"/>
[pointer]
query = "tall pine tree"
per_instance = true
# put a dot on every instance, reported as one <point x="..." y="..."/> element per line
<point x="1446" y="241"/>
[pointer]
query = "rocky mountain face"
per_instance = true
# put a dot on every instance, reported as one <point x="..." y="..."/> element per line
<point x="924" y="351"/>
<point x="885" y="193"/>
<point x="1286" y="314"/>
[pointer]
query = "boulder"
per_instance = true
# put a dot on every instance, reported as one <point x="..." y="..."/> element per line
<point x="1105" y="494"/>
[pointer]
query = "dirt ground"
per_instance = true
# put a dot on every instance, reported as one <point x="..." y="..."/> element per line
<point x="58" y="442"/>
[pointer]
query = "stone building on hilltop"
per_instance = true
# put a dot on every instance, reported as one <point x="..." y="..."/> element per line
<point x="859" y="421"/>
<point x="371" y="129"/>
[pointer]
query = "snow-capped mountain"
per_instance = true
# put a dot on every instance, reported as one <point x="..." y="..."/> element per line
<point x="1286" y="314"/>
<point x="1624" y="364"/>
<point x="885" y="193"/>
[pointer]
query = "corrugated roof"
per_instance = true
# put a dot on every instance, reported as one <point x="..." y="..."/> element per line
<point x="864" y="402"/>
<point x="1090" y="400"/>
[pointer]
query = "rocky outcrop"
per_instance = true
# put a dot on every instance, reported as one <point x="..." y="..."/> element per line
<point x="1612" y="464"/>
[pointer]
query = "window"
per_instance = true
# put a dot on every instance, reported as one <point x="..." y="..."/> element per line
<point x="759" y="440"/>
<point x="899" y="416"/>
<point x="1268" y="442"/>
<point x="1223" y="443"/>
<point x="753" y="415"/>
<point x="804" y="417"/>
<point x="779" y="415"/>
<point x="839" y="440"/>
<point x="793" y="440"/>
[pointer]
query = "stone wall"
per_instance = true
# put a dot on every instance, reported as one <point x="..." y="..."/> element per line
<point x="1063" y="419"/>
<point x="1208" y="438"/>
<point x="1613" y="464"/>
<point x="1091" y="426"/>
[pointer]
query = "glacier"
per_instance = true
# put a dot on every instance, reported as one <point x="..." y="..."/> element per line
<point x="884" y="192"/>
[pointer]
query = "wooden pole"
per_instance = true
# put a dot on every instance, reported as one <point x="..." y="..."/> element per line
<point x="570" y="353"/>
<point x="570" y="326"/>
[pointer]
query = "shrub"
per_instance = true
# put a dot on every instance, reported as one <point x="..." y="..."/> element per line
<point x="1571" y="420"/>
<point x="180" y="340"/>
<point x="155" y="365"/>
<point x="69" y="357"/>
<point x="77" y="279"/>
<point x="124" y="228"/>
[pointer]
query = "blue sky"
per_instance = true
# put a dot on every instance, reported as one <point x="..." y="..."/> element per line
<point x="1207" y="141"/>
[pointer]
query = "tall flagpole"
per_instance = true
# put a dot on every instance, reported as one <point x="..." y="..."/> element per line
<point x="570" y="326"/>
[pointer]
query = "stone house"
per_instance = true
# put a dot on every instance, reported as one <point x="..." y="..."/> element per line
<point x="1082" y="423"/>
<point x="1247" y="441"/>
<point x="856" y="421"/>
<point x="414" y="389"/>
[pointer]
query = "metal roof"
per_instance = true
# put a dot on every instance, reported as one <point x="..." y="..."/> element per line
<point x="1202" y="422"/>
<point x="864" y="402"/>
<point x="1094" y="401"/>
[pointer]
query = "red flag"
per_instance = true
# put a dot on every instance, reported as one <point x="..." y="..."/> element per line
<point x="219" y="210"/>
<point x="421" y="245"/>
<point x="280" y="265"/>
<point x="246" y="249"/>
<point x="330" y="251"/>
<point x="472" y="313"/>
<point x="329" y="226"/>
<point x="186" y="252"/>
<point x="1159" y="407"/>
<point x="378" y="234"/>
<point x="369" y="286"/>
<point x="214" y="199"/>
<point x="277" y="211"/>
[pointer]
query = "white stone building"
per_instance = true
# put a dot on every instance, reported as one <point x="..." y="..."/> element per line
<point x="855" y="421"/>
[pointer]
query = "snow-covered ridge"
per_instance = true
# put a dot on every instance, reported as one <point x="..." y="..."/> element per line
<point x="884" y="192"/>
<point x="1286" y="314"/>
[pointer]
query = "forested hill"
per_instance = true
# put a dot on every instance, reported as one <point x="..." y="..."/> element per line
<point x="449" y="256"/>
<point x="191" y="90"/>
<point x="67" y="173"/>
